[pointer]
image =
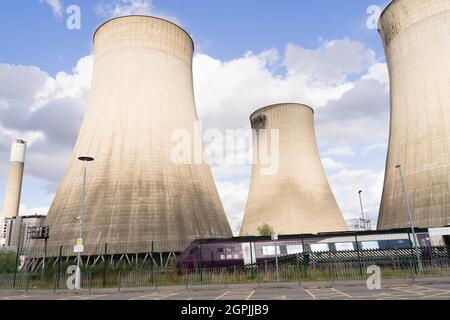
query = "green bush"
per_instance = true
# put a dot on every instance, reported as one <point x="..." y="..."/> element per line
<point x="7" y="262"/>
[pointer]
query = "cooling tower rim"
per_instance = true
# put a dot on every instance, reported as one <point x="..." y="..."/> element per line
<point x="279" y="105"/>
<point x="143" y="16"/>
<point x="384" y="11"/>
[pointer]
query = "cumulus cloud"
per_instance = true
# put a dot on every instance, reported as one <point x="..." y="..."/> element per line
<point x="55" y="5"/>
<point x="234" y="198"/>
<point x="346" y="183"/>
<point x="340" y="151"/>
<point x="350" y="97"/>
<point x="331" y="63"/>
<point x="332" y="165"/>
<point x="118" y="8"/>
<point x="45" y="111"/>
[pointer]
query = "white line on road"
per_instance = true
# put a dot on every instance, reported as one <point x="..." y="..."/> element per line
<point x="250" y="295"/>
<point x="222" y="295"/>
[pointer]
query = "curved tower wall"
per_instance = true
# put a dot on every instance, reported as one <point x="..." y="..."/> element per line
<point x="297" y="199"/>
<point x="416" y="37"/>
<point x="142" y="91"/>
<point x="13" y="189"/>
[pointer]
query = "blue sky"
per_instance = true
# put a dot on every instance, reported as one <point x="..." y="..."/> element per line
<point x="321" y="51"/>
<point x="222" y="29"/>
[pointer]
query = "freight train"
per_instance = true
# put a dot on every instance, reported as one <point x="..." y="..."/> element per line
<point x="244" y="251"/>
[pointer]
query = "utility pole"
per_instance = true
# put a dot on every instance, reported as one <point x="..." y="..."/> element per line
<point x="411" y="222"/>
<point x="79" y="247"/>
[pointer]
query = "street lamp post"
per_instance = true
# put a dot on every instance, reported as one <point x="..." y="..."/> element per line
<point x="411" y="222"/>
<point x="362" y="210"/>
<point x="85" y="160"/>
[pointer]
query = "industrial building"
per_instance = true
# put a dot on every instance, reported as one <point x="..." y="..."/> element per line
<point x="416" y="38"/>
<point x="141" y="93"/>
<point x="296" y="198"/>
<point x="16" y="231"/>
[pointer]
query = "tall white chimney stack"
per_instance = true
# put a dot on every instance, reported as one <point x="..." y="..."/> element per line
<point x="14" y="183"/>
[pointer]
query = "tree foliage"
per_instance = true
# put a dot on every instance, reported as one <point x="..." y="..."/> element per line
<point x="265" y="230"/>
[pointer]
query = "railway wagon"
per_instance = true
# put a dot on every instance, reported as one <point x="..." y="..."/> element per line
<point x="245" y="251"/>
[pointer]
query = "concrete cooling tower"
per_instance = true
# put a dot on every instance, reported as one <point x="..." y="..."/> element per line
<point x="142" y="91"/>
<point x="13" y="189"/>
<point x="416" y="38"/>
<point x="296" y="198"/>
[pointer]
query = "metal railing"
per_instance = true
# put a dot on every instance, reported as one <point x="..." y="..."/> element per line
<point x="284" y="275"/>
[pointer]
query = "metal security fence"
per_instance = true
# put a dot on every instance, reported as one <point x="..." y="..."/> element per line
<point x="284" y="275"/>
<point x="12" y="281"/>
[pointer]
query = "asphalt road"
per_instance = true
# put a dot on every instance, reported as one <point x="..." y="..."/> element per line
<point x="406" y="291"/>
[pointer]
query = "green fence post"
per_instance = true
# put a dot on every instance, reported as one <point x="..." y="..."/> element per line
<point x="59" y="267"/>
<point x="26" y="284"/>
<point x="118" y="281"/>
<point x="186" y="272"/>
<point x="359" y="255"/>
<point x="251" y="260"/>
<point x="90" y="281"/>
<point x="151" y="264"/>
<point x="304" y="258"/>
<point x="17" y="266"/>
<point x="201" y="264"/>
<point x="412" y="253"/>
<point x="105" y="262"/>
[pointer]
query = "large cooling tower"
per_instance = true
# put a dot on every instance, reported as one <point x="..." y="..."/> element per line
<point x="296" y="198"/>
<point x="142" y="91"/>
<point x="416" y="37"/>
<point x="13" y="189"/>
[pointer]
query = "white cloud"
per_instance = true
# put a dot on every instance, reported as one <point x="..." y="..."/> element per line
<point x="376" y="146"/>
<point x="346" y="184"/>
<point x="340" y="151"/>
<point x="56" y="6"/>
<point x="226" y="96"/>
<point x="331" y="63"/>
<point x="378" y="71"/>
<point x="46" y="112"/>
<point x="234" y="198"/>
<point x="26" y="211"/>
<point x="118" y="8"/>
<point x="332" y="165"/>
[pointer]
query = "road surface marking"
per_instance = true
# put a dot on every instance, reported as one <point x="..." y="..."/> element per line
<point x="168" y="296"/>
<point x="94" y="297"/>
<point x="401" y="289"/>
<point x="250" y="295"/>
<point x="308" y="292"/>
<point x="222" y="295"/>
<point x="148" y="295"/>
<point x="340" y="292"/>
<point x="69" y="298"/>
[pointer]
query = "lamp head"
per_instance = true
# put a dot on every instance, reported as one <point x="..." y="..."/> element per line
<point x="85" y="158"/>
